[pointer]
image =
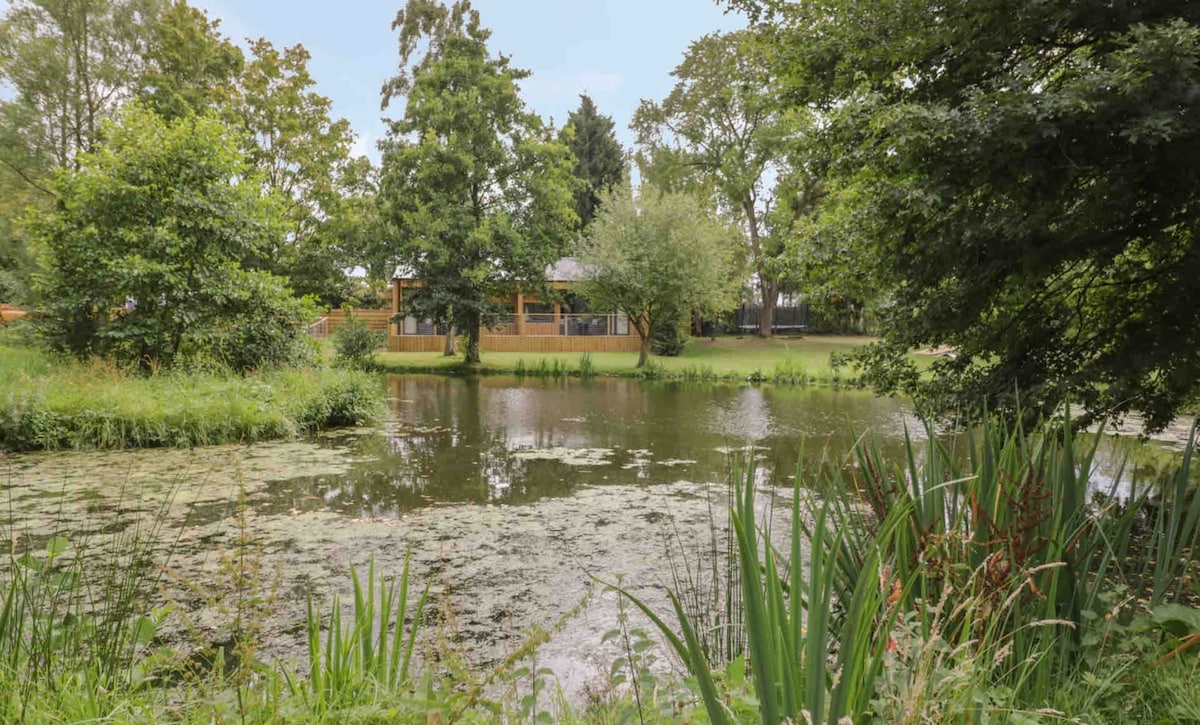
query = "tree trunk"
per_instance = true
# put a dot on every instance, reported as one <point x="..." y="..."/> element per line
<point x="697" y="323"/>
<point x="770" y="296"/>
<point x="644" y="353"/>
<point x="471" y="354"/>
<point x="448" y="350"/>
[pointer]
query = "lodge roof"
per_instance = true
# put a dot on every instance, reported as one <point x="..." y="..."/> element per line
<point x="566" y="269"/>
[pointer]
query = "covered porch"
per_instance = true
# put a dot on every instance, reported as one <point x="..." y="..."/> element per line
<point x="532" y="326"/>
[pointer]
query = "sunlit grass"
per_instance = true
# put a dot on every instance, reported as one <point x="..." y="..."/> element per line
<point x="782" y="360"/>
<point x="52" y="403"/>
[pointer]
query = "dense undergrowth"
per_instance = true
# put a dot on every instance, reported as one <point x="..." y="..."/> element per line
<point x="999" y="584"/>
<point x="52" y="403"/>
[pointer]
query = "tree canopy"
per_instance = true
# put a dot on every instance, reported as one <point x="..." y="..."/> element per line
<point x="721" y="135"/>
<point x="657" y="256"/>
<point x="478" y="192"/>
<point x="599" y="158"/>
<point x="149" y="246"/>
<point x="1021" y="177"/>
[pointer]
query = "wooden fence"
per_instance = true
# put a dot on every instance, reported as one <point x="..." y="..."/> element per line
<point x="328" y="324"/>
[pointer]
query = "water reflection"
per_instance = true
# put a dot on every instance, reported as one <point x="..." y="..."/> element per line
<point x="495" y="439"/>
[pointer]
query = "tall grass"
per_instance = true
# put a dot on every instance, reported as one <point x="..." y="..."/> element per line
<point x="55" y="404"/>
<point x="76" y="624"/>
<point x="946" y="585"/>
<point x="364" y="655"/>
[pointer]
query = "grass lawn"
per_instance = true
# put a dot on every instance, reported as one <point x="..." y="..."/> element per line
<point x="783" y="359"/>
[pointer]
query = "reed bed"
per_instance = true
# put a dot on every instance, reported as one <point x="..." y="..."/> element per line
<point x="1006" y="588"/>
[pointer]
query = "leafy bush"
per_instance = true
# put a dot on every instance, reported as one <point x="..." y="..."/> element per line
<point x="156" y="250"/>
<point x="356" y="344"/>
<point x="668" y="337"/>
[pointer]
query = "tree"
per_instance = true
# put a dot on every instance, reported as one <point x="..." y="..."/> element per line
<point x="301" y="153"/>
<point x="656" y="257"/>
<point x="599" y="158"/>
<point x="190" y="66"/>
<point x="69" y="64"/>
<point x="721" y="134"/>
<point x="478" y="192"/>
<point x="148" y="245"/>
<point x="1023" y="177"/>
<point x="65" y="66"/>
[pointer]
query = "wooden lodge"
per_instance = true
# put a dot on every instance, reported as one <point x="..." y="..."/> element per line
<point x="529" y="324"/>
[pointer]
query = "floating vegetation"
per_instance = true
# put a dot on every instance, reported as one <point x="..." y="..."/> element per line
<point x="567" y="456"/>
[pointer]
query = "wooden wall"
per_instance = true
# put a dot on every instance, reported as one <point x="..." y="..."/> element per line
<point x="416" y="343"/>
<point x="374" y="319"/>
<point x="512" y="343"/>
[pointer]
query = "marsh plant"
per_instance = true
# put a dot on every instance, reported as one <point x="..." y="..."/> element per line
<point x="932" y="590"/>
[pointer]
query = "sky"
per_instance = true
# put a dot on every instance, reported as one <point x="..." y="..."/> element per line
<point x="617" y="51"/>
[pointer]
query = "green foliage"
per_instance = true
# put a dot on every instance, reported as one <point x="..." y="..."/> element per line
<point x="74" y="617"/>
<point x="656" y="257"/>
<point x="1017" y="184"/>
<point x="947" y="587"/>
<point x="669" y="336"/>
<point x="599" y="158"/>
<point x="362" y="655"/>
<point x="190" y="67"/>
<point x="55" y="404"/>
<point x="148" y="245"/>
<point x="302" y="155"/>
<point x="356" y="344"/>
<point x="477" y="191"/>
<point x="720" y="135"/>
<point x="70" y="64"/>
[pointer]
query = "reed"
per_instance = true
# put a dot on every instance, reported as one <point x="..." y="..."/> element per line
<point x="361" y="657"/>
<point x="965" y="584"/>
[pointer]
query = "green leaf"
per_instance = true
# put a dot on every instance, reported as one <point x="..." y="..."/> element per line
<point x="56" y="546"/>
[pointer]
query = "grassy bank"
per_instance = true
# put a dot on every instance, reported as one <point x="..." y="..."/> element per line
<point x="782" y="360"/>
<point x="51" y="403"/>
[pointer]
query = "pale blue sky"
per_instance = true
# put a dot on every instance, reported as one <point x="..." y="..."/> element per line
<point x="619" y="51"/>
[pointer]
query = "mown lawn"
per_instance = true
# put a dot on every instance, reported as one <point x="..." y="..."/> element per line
<point x="727" y="357"/>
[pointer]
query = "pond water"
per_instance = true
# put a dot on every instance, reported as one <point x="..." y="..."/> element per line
<point x="514" y="497"/>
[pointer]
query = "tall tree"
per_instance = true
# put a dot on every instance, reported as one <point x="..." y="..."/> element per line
<point x="656" y="257"/>
<point x="599" y="158"/>
<point x="69" y="64"/>
<point x="301" y="153"/>
<point x="720" y="132"/>
<point x="1023" y="177"/>
<point x="165" y="219"/>
<point x="65" y="66"/>
<point x="476" y="188"/>
<point x="190" y="66"/>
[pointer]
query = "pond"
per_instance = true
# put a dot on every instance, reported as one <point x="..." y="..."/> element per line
<point x="515" y="498"/>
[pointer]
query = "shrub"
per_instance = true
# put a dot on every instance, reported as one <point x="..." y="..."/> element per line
<point x="156" y="245"/>
<point x="668" y="337"/>
<point x="356" y="345"/>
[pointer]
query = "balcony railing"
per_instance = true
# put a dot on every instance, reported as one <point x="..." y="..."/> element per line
<point x="537" y="324"/>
